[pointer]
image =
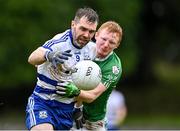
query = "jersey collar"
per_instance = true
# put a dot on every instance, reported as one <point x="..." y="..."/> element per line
<point x="71" y="37"/>
<point x="98" y="59"/>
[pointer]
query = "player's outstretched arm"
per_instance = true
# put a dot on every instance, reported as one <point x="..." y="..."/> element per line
<point x="70" y="90"/>
<point x="40" y="55"/>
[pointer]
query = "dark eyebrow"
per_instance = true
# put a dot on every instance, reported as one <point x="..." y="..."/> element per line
<point x="91" y="31"/>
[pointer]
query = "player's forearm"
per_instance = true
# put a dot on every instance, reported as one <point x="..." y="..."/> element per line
<point x="37" y="56"/>
<point x="86" y="96"/>
<point x="91" y="95"/>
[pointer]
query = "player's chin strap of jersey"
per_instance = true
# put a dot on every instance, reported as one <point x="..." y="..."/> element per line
<point x="67" y="89"/>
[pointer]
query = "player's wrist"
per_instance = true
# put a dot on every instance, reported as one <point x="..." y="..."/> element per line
<point x="78" y="107"/>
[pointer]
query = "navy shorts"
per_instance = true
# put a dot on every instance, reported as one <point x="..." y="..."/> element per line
<point x="40" y="111"/>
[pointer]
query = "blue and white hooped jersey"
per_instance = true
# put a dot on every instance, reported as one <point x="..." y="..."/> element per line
<point x="48" y="76"/>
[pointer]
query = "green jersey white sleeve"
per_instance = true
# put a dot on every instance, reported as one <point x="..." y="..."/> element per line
<point x="111" y="72"/>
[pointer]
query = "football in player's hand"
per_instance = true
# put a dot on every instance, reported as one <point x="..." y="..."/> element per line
<point x="87" y="75"/>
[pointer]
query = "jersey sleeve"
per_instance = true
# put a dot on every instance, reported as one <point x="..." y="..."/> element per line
<point x="51" y="44"/>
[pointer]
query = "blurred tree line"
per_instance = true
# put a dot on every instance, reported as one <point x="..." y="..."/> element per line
<point x="27" y="24"/>
<point x="150" y="50"/>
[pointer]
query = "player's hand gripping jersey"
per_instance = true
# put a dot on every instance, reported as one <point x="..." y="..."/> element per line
<point x="48" y="75"/>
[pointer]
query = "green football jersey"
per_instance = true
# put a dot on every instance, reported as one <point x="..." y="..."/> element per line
<point x="111" y="71"/>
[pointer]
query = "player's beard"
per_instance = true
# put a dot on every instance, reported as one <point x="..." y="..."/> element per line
<point x="82" y="40"/>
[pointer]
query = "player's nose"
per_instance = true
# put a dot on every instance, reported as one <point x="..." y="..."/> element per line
<point x="86" y="34"/>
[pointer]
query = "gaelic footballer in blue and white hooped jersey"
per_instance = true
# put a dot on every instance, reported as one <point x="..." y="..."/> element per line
<point x="48" y="75"/>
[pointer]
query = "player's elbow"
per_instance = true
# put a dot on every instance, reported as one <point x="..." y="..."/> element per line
<point x="30" y="60"/>
<point x="37" y="56"/>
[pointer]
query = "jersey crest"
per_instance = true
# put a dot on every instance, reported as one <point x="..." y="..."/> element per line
<point x="115" y="70"/>
<point x="86" y="56"/>
<point x="43" y="114"/>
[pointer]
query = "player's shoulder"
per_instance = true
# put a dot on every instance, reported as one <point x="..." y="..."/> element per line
<point x="113" y="59"/>
<point x="117" y="58"/>
<point x="63" y="35"/>
<point x="57" y="41"/>
<point x="91" y="44"/>
<point x="91" y="49"/>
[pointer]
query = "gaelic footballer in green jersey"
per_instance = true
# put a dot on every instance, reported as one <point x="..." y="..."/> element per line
<point x="111" y="72"/>
<point x="108" y="38"/>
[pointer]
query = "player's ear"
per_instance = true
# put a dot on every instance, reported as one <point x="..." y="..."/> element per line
<point x="96" y="35"/>
<point x="72" y="23"/>
<point x="117" y="45"/>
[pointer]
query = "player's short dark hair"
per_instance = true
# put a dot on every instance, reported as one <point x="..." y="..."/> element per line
<point x="89" y="13"/>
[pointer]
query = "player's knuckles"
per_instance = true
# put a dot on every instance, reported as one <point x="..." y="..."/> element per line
<point x="60" y="88"/>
